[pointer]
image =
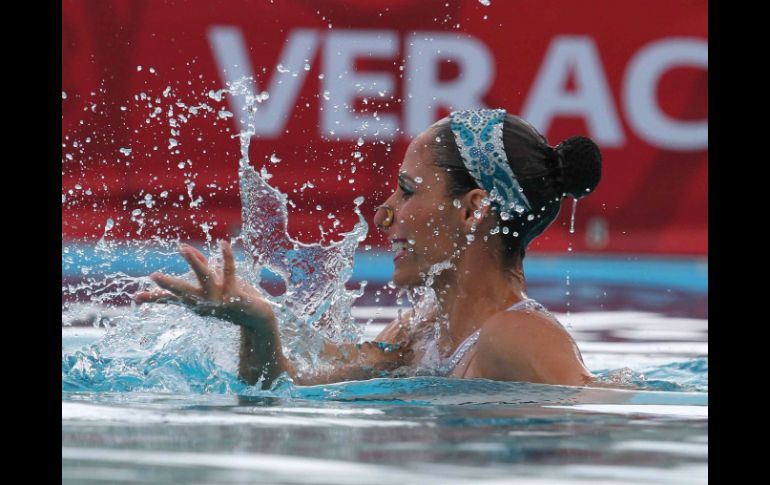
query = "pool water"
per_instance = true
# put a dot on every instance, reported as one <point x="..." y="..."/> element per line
<point x="125" y="429"/>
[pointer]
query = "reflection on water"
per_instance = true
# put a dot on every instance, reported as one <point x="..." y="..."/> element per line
<point x="416" y="430"/>
<point x="226" y="439"/>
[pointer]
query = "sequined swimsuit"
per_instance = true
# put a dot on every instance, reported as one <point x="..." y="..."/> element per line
<point x="436" y="365"/>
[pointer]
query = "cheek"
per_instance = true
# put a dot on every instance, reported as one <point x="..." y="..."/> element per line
<point x="437" y="236"/>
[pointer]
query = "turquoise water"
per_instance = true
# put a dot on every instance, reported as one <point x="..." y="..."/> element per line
<point x="170" y="410"/>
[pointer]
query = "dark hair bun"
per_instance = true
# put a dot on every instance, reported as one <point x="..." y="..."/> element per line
<point x="582" y="165"/>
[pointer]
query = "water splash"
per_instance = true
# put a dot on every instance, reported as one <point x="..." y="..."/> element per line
<point x="170" y="348"/>
<point x="316" y="305"/>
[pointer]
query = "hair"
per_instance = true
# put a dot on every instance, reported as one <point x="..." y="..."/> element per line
<point x="546" y="174"/>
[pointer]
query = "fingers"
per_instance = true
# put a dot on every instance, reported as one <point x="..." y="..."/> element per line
<point x="185" y="292"/>
<point x="229" y="267"/>
<point x="199" y="265"/>
<point x="179" y="290"/>
<point x="157" y="296"/>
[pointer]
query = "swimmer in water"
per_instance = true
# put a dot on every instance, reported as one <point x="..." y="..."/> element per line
<point x="474" y="190"/>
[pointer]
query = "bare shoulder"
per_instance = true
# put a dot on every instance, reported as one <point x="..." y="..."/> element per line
<point x="531" y="346"/>
<point x="525" y="324"/>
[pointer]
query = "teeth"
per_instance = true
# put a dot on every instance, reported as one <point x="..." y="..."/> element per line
<point x="398" y="245"/>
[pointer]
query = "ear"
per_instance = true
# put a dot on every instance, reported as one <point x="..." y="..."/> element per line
<point x="473" y="206"/>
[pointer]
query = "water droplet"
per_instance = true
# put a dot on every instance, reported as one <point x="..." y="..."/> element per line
<point x="224" y="114"/>
<point x="282" y="69"/>
<point x="318" y="207"/>
<point x="136" y="212"/>
<point x="358" y="201"/>
<point x="506" y="230"/>
<point x="438" y="139"/>
<point x="172" y="143"/>
<point x="486" y="3"/>
<point x="411" y="242"/>
<point x="418" y="180"/>
<point x="530" y="217"/>
<point x="63" y="95"/>
<point x="360" y="141"/>
<point x="470" y="237"/>
<point x="125" y="151"/>
<point x="515" y="234"/>
<point x="152" y="70"/>
<point x="108" y="225"/>
<point x="180" y="165"/>
<point x="457" y="203"/>
<point x="138" y="68"/>
<point x="441" y="207"/>
<point x="164" y="194"/>
<point x="274" y="158"/>
<point x="477" y="214"/>
<point x="494" y="230"/>
<point x="306" y="66"/>
<point x="572" y="220"/>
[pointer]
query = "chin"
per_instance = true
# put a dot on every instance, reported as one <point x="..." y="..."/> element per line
<point x="403" y="280"/>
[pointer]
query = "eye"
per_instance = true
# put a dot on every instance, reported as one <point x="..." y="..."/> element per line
<point x="406" y="187"/>
<point x="406" y="192"/>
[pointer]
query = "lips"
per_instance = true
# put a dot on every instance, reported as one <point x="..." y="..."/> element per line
<point x="400" y="246"/>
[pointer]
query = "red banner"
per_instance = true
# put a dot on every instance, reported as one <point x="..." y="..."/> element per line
<point x="342" y="86"/>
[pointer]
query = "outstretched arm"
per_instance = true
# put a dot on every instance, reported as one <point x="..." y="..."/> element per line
<point x="223" y="295"/>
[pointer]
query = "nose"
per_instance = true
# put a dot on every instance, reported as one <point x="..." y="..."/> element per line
<point x="384" y="216"/>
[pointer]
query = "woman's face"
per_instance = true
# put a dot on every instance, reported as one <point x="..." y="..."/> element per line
<point x="426" y="227"/>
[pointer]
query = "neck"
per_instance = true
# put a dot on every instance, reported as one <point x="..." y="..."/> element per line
<point x="475" y="289"/>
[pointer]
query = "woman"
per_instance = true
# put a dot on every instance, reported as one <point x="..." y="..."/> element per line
<point x="473" y="191"/>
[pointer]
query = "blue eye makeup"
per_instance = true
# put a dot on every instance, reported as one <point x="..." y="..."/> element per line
<point x="406" y="185"/>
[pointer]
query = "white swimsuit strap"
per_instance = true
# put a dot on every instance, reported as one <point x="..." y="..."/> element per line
<point x="461" y="350"/>
<point x="525" y="303"/>
<point x="469" y="342"/>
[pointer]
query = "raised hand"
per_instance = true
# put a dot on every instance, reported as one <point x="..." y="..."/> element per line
<point x="220" y="293"/>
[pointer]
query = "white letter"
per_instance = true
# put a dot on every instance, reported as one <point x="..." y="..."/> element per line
<point x="639" y="94"/>
<point x="424" y="92"/>
<point x="591" y="99"/>
<point x="343" y="85"/>
<point x="232" y="59"/>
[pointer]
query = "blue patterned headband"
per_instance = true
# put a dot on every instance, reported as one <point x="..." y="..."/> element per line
<point x="479" y="136"/>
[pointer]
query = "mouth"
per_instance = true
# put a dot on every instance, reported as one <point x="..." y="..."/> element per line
<point x="400" y="247"/>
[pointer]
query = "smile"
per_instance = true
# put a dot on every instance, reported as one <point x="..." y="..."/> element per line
<point x="400" y="247"/>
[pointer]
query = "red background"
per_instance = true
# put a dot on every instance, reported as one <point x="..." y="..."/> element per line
<point x="650" y="199"/>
